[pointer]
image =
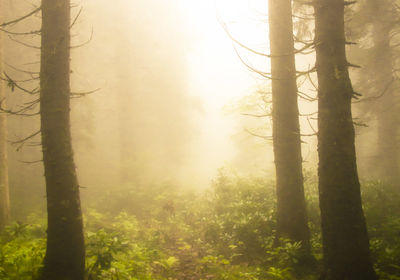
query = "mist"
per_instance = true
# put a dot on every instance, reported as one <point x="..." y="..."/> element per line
<point x="163" y="91"/>
<point x="199" y="139"/>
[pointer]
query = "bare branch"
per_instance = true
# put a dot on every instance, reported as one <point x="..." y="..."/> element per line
<point x="256" y="115"/>
<point x="251" y="68"/>
<point x="257" y="135"/>
<point x="306" y="96"/>
<point x="31" y="73"/>
<point x="84" y="43"/>
<point x="76" y="17"/>
<point x="24" y="44"/>
<point x="387" y="87"/>
<point x="348" y="3"/>
<point x="21" y="18"/>
<point x="20" y="143"/>
<point x="35" y="32"/>
<point x="83" y="94"/>
<point x="31" y="162"/>
<point x="13" y="85"/>
<point x="296" y="51"/>
<point x="313" y="129"/>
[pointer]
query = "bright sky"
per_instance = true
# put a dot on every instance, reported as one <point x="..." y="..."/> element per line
<point x="217" y="75"/>
<point x="217" y="72"/>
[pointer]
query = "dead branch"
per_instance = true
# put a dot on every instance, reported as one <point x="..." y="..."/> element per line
<point x="24" y="44"/>
<point x="34" y="74"/>
<point x="251" y="68"/>
<point x="296" y="51"/>
<point x="31" y="162"/>
<point x="20" y="143"/>
<point x="84" y="43"/>
<point x="309" y="123"/>
<point x="387" y="87"/>
<point x="256" y="115"/>
<point x="83" y="94"/>
<point x="35" y="32"/>
<point x="305" y="96"/>
<point x="257" y="135"/>
<point x="12" y="84"/>
<point x="76" y="18"/>
<point x="21" y="18"/>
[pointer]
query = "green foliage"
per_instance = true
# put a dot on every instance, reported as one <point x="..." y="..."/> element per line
<point x="382" y="208"/>
<point x="22" y="249"/>
<point x="225" y="233"/>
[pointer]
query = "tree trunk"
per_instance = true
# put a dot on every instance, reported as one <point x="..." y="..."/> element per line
<point x="4" y="191"/>
<point x="291" y="216"/>
<point x="65" y="255"/>
<point x="344" y="232"/>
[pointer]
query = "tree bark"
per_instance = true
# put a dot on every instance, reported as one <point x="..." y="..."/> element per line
<point x="65" y="254"/>
<point x="4" y="189"/>
<point x="291" y="212"/>
<point x="344" y="232"/>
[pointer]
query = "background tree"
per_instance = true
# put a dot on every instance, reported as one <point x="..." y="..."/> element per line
<point x="387" y="117"/>
<point x="291" y="206"/>
<point x="4" y="191"/>
<point x="378" y="84"/>
<point x="344" y="233"/>
<point x="151" y="120"/>
<point x="20" y="72"/>
<point x="65" y="254"/>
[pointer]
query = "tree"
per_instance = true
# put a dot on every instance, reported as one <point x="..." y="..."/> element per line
<point x="383" y="17"/>
<point x="388" y="127"/>
<point x="65" y="254"/>
<point x="344" y="233"/>
<point x="4" y="190"/>
<point x="291" y="212"/>
<point x="378" y="83"/>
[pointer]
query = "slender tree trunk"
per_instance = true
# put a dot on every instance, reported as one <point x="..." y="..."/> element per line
<point x="65" y="255"/>
<point x="4" y="191"/>
<point x="344" y="232"/>
<point x="292" y="215"/>
<point x="387" y="148"/>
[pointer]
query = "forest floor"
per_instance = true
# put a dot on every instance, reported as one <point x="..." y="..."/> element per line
<point x="163" y="232"/>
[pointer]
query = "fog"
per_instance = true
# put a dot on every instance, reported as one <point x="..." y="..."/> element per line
<point x="199" y="139"/>
<point x="168" y="77"/>
<point x="169" y="96"/>
<point x="161" y="94"/>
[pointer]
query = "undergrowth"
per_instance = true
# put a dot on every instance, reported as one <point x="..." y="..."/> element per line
<point x="161" y="232"/>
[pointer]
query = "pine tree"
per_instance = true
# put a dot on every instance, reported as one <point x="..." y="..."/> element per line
<point x="65" y="254"/>
<point x="291" y="212"/>
<point x="344" y="233"/>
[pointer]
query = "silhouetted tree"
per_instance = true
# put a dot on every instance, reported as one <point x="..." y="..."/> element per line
<point x="65" y="254"/>
<point x="291" y="206"/>
<point x="344" y="232"/>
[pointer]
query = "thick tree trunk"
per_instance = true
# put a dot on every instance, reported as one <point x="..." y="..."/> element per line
<point x="344" y="232"/>
<point x="387" y="116"/>
<point x="4" y="191"/>
<point x="291" y="216"/>
<point x="65" y="255"/>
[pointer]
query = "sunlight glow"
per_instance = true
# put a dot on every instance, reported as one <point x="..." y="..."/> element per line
<point x="214" y="64"/>
<point x="216" y="73"/>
